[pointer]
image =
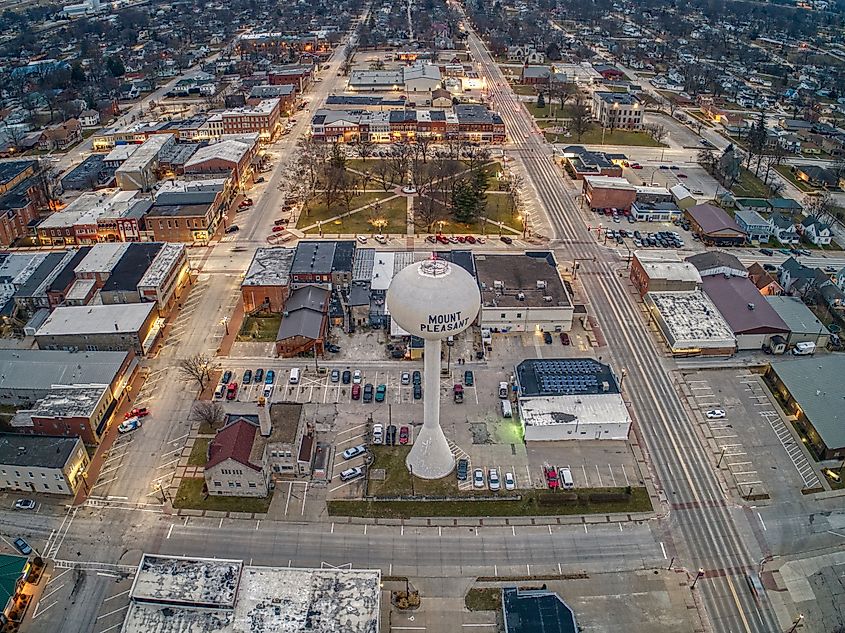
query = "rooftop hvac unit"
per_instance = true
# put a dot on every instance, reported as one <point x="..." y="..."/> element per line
<point x="520" y="296"/>
<point x="547" y="299"/>
<point x="750" y="306"/>
<point x="541" y="284"/>
<point x="498" y="285"/>
<point x="605" y="387"/>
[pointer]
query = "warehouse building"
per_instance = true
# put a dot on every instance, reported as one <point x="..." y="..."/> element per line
<point x="570" y="399"/>
<point x="133" y="326"/>
<point x="606" y="192"/>
<point x="174" y="593"/>
<point x="804" y="326"/>
<point x="690" y="323"/>
<point x="662" y="271"/>
<point x="811" y="389"/>
<point x="266" y="285"/>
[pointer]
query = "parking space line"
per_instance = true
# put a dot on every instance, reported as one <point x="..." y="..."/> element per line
<point x="601" y="485"/>
<point x="624" y="472"/>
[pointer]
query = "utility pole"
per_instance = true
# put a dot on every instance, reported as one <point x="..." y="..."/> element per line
<point x="697" y="576"/>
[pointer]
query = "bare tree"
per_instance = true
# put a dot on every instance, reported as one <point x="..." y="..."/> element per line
<point x="197" y="367"/>
<point x="400" y="161"/>
<point x="658" y="132"/>
<point x="580" y="117"/>
<point x="208" y="412"/>
<point x="821" y="206"/>
<point x="364" y="147"/>
<point x="382" y="171"/>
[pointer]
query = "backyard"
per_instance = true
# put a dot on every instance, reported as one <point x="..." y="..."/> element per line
<point x="260" y="328"/>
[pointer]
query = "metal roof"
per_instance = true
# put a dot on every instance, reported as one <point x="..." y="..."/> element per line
<point x="797" y="316"/>
<point x="105" y="319"/>
<point x="270" y="267"/>
<point x="816" y="385"/>
<point x="41" y="369"/>
<point x="742" y="305"/>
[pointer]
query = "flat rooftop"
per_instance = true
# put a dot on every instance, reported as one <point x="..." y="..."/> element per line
<point x="18" y="449"/>
<point x="582" y="409"/>
<point x="161" y="266"/>
<point x="262" y="599"/>
<point x="284" y="417"/>
<point x="520" y="280"/>
<point x="42" y="369"/>
<point x="70" y="402"/>
<point x="182" y="581"/>
<point x="102" y="258"/>
<point x="270" y="267"/>
<point x="690" y="320"/>
<point x="96" y="319"/>
<point x="564" y="377"/>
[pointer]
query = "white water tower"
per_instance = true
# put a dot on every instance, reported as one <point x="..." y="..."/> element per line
<point x="432" y="299"/>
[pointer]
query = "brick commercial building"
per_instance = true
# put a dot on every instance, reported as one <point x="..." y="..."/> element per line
<point x="41" y="464"/>
<point x="230" y="156"/>
<point x="304" y="323"/>
<point x="80" y="411"/>
<point x="188" y="211"/>
<point x="23" y="192"/>
<point x="166" y="277"/>
<point x="300" y="76"/>
<point x="662" y="271"/>
<point x="264" y="118"/>
<point x="102" y="216"/>
<point x="602" y="192"/>
<point x="266" y="285"/>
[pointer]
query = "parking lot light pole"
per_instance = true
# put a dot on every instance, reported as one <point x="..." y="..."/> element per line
<point x="697" y="576"/>
<point x="798" y="621"/>
<point x="719" y="463"/>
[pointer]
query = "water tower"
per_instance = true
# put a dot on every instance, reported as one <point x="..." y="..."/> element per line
<point x="432" y="299"/>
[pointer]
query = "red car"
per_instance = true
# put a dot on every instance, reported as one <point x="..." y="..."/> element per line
<point x="442" y="239"/>
<point x="246" y="203"/>
<point x="278" y="227"/>
<point x="404" y="434"/>
<point x="636" y="166"/>
<point x="564" y="338"/>
<point x="470" y="239"/>
<point x="232" y="391"/>
<point x="461" y="239"/>
<point x="356" y="392"/>
<point x="550" y="472"/>
<point x="137" y="412"/>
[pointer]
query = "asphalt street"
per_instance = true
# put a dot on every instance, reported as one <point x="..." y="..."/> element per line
<point x="707" y="532"/>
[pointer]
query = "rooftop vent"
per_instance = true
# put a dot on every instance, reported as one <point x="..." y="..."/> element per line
<point x="750" y="306"/>
<point x="498" y="285"/>
<point x="541" y="284"/>
<point x="520" y="296"/>
<point x="547" y="299"/>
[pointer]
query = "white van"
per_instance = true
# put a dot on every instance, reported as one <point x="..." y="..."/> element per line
<point x="566" y="478"/>
<point x="218" y="391"/>
<point x="507" y="412"/>
<point x="804" y="349"/>
<point x="294" y="376"/>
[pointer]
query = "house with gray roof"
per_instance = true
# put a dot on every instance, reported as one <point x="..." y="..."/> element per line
<point x="783" y="228"/>
<point x="717" y="263"/>
<point x="756" y="227"/>
<point x="42" y="464"/>
<point x="818" y="232"/>
<point x="304" y="322"/>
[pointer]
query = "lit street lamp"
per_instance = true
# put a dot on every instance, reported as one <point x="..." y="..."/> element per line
<point x="697" y="576"/>
<point x="798" y="621"/>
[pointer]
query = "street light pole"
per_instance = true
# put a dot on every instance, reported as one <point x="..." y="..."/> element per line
<point x="697" y="576"/>
<point x="798" y="621"/>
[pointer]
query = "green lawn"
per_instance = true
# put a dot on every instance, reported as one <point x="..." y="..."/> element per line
<point x="317" y="210"/>
<point x="786" y="172"/>
<point x="497" y="209"/>
<point x="486" y="599"/>
<point x="395" y="211"/>
<point x="260" y="328"/>
<point x="522" y="89"/>
<point x="750" y="186"/>
<point x="549" y="111"/>
<point x="397" y="478"/>
<point x="199" y="453"/>
<point x="593" y="136"/>
<point x="527" y="505"/>
<point x="190" y="497"/>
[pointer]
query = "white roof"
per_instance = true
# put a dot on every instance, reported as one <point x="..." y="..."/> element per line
<point x="121" y="152"/>
<point x="102" y="257"/>
<point x="581" y="409"/>
<point x="265" y="106"/>
<point x="382" y="270"/>
<point x="162" y="264"/>
<point x="124" y="318"/>
<point x="690" y="319"/>
<point x="91" y="206"/>
<point x="609" y="182"/>
<point x="146" y="152"/>
<point x="230" y="150"/>
<point x="80" y="289"/>
<point x="680" y="192"/>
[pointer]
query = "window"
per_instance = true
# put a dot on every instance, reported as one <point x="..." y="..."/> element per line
<point x="46" y="486"/>
<point x="252" y="484"/>
<point x="231" y="484"/>
<point x="237" y="484"/>
<point x="217" y="484"/>
<point x="502" y="315"/>
<point x="519" y="315"/>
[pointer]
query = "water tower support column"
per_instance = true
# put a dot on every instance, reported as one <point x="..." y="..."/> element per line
<point x="430" y="456"/>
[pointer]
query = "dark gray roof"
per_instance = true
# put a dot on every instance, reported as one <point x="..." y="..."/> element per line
<point x="313" y="257"/>
<point x="797" y="316"/>
<point x="712" y="220"/>
<point x="300" y="323"/>
<point x="742" y="305"/>
<point x="564" y="376"/>
<point x="309" y="298"/>
<point x="44" y="270"/>
<point x="132" y="265"/>
<point x="35" y="450"/>
<point x="359" y="294"/>
<point x="178" y="210"/>
<point x="709" y="260"/>
<point x="536" y="611"/>
<point x="10" y="169"/>
<point x="816" y="385"/>
<point x="67" y="275"/>
<point x="344" y="256"/>
<point x="35" y="369"/>
<point x="783" y="221"/>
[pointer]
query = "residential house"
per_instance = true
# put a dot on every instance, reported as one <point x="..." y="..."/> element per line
<point x="816" y="231"/>
<point x="816" y="176"/>
<point x="89" y="118"/>
<point x="765" y="282"/>
<point x="61" y="136"/>
<point x="236" y="466"/>
<point x="755" y="226"/>
<point x="304" y="322"/>
<point x="783" y="229"/>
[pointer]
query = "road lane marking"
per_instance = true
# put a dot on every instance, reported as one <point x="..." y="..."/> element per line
<point x="117" y="595"/>
<point x="170" y="531"/>
<point x="761" y="521"/>
<point x="662" y="549"/>
<point x="738" y="605"/>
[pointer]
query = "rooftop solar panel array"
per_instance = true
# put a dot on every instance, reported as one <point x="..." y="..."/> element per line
<point x="565" y="377"/>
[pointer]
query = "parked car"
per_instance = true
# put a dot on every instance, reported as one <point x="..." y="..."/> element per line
<point x="416" y="378"/>
<point x="378" y="433"/>
<point x="351" y="473"/>
<point x="269" y="377"/>
<point x="232" y="391"/>
<point x="463" y="469"/>
<point x="381" y="392"/>
<point x="233" y="228"/>
<point x="22" y="546"/>
<point x="277" y="228"/>
<point x="469" y="379"/>
<point x="767" y="251"/>
<point x="406" y="378"/>
<point x="137" y="412"/>
<point x="506" y="239"/>
<point x="259" y="375"/>
<point x="368" y="392"/>
<point x="356" y="377"/>
<point x="715" y="414"/>
<point x="381" y="239"/>
<point x="335" y="376"/>
<point x="550" y="473"/>
<point x="25" y="504"/>
<point x="268" y="391"/>
<point x="390" y="437"/>
<point x="404" y="435"/>
<point x="356" y="392"/>
<point x="493" y="478"/>
<point x="547" y="337"/>
<point x="478" y="478"/>
<point x="510" y="482"/>
<point x="346" y="378"/>
<point x="417" y="392"/>
<point x="227" y="376"/>
<point x="349" y="453"/>
<point x="564" y="338"/>
<point x="129" y="425"/>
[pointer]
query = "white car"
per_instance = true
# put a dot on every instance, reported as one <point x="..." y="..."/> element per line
<point x="356" y="377"/>
<point x="129" y="425"/>
<point x="493" y="477"/>
<point x="349" y="453"/>
<point x="268" y="391"/>
<point x="378" y="433"/>
<point x="715" y="414"/>
<point x="362" y="239"/>
<point x="25" y="504"/>
<point x="406" y="378"/>
<point x="478" y="478"/>
<point x="510" y="482"/>
<point x="381" y="239"/>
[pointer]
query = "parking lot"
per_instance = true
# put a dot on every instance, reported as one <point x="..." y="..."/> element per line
<point x="755" y="447"/>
